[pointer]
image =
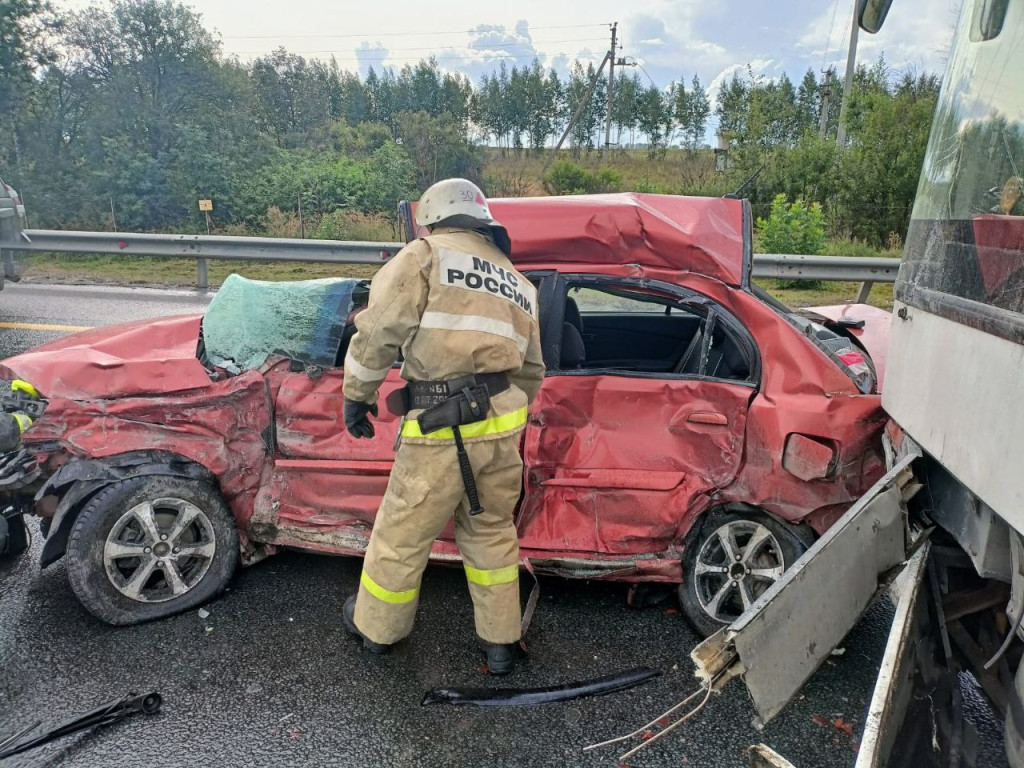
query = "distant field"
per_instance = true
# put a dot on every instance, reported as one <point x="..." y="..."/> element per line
<point x="679" y="171"/>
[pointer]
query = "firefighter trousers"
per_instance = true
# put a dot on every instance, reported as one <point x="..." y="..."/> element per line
<point x="424" y="491"/>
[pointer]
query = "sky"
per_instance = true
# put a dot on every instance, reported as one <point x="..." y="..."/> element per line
<point x="668" y="39"/>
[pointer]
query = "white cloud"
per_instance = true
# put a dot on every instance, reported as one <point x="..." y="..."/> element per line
<point x="370" y="55"/>
<point x="757" y="66"/>
<point x="915" y="35"/>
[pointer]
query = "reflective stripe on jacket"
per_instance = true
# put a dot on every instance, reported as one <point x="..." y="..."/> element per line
<point x="454" y="304"/>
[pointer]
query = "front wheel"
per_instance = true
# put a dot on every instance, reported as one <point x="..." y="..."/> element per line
<point x="729" y="560"/>
<point x="150" y="547"/>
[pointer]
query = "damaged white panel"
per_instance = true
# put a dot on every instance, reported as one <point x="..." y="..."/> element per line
<point x="793" y="627"/>
<point x="893" y="687"/>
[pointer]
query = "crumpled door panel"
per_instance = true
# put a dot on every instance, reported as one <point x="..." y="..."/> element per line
<point x="615" y="462"/>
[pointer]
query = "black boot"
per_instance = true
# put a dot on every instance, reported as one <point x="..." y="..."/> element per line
<point x="500" y="656"/>
<point x="348" y="614"/>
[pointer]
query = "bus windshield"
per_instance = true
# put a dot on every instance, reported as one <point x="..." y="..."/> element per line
<point x="964" y="256"/>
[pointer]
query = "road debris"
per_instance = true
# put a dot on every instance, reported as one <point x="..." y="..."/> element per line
<point x="763" y="756"/>
<point x="646" y="733"/>
<point x="528" y="697"/>
<point x="111" y="712"/>
<point x="203" y="613"/>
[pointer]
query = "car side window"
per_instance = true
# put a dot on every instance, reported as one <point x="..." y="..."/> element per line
<point x="618" y="329"/>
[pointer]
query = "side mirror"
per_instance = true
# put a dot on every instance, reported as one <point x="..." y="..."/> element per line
<point x="871" y="14"/>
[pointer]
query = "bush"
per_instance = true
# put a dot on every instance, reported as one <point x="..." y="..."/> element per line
<point x="352" y="225"/>
<point x="793" y="228"/>
<point x="855" y="248"/>
<point x="567" y="178"/>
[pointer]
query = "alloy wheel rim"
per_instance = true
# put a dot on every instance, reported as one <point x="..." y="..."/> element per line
<point x="735" y="566"/>
<point x="159" y="550"/>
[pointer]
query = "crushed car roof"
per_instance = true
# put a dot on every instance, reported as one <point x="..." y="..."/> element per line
<point x="671" y="232"/>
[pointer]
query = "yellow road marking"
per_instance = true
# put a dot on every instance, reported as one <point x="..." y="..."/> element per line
<point x="42" y="327"/>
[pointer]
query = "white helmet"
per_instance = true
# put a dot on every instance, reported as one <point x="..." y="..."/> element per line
<point x="459" y="203"/>
<point x="453" y="197"/>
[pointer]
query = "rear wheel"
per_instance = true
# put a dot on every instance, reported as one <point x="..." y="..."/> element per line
<point x="150" y="547"/>
<point x="729" y="560"/>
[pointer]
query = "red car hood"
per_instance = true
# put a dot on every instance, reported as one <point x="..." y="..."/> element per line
<point x="143" y="357"/>
<point x="874" y="335"/>
<point x="685" y="234"/>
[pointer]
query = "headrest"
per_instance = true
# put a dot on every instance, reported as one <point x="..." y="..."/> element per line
<point x="573" y="351"/>
<point x="572" y="314"/>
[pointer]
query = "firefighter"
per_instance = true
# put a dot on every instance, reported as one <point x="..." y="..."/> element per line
<point x="467" y="325"/>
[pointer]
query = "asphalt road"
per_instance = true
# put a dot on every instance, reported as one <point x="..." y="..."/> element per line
<point x="270" y="678"/>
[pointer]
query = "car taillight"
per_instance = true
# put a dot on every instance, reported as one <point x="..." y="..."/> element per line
<point x="850" y="360"/>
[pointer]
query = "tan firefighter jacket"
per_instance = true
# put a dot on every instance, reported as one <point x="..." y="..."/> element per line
<point x="454" y="304"/>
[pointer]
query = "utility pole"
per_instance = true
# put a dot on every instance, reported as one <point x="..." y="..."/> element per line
<point x="826" y="92"/>
<point x="611" y="83"/>
<point x="851" y="67"/>
<point x="576" y="114"/>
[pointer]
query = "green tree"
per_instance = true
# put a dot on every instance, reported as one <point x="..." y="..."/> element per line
<point x="437" y="148"/>
<point x="653" y="118"/>
<point x="625" y="105"/>
<point x="733" y="107"/>
<point x="692" y="110"/>
<point x="23" y="51"/>
<point x="880" y="169"/>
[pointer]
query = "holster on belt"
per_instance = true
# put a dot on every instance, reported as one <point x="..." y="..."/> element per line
<point x="452" y="403"/>
<point x="468" y="405"/>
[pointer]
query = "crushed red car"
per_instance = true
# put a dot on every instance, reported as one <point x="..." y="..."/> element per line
<point x="691" y="430"/>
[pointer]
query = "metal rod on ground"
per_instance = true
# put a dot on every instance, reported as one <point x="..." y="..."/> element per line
<point x="644" y="728"/>
<point x="576" y="114"/>
<point x="611" y="85"/>
<point x="851" y="68"/>
<point x="670" y="728"/>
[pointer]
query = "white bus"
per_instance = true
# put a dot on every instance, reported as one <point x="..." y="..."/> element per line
<point x="949" y="516"/>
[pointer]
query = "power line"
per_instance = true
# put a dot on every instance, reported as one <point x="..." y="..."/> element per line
<point x="831" y="27"/>
<point x="648" y="75"/>
<point x="416" y="33"/>
<point x="434" y="47"/>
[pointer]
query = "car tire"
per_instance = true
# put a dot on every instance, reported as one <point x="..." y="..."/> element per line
<point x="721" y="577"/>
<point x="150" y="547"/>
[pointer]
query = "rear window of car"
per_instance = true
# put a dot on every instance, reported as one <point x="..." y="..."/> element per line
<point x="590" y="300"/>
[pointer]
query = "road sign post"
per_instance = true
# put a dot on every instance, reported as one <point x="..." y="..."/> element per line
<point x="202" y="268"/>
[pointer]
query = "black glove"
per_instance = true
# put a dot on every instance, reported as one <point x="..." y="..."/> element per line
<point x="356" y="421"/>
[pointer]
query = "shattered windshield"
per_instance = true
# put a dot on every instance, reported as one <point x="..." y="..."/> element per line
<point x="966" y="237"/>
<point x="250" y="320"/>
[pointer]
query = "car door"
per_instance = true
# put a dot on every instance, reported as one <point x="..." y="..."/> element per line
<point x="325" y="481"/>
<point x="327" y="485"/>
<point x="617" y="455"/>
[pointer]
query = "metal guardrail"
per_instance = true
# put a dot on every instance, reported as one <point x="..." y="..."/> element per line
<point x="202" y="247"/>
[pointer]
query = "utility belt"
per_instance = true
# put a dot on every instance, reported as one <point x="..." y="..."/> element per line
<point x="418" y="395"/>
<point x="450" y="404"/>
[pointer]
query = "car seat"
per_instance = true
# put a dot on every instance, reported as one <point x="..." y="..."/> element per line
<point x="572" y="314"/>
<point x="574" y="352"/>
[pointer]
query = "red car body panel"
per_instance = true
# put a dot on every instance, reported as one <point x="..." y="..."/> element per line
<point x="679" y="234"/>
<point x="617" y="467"/>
